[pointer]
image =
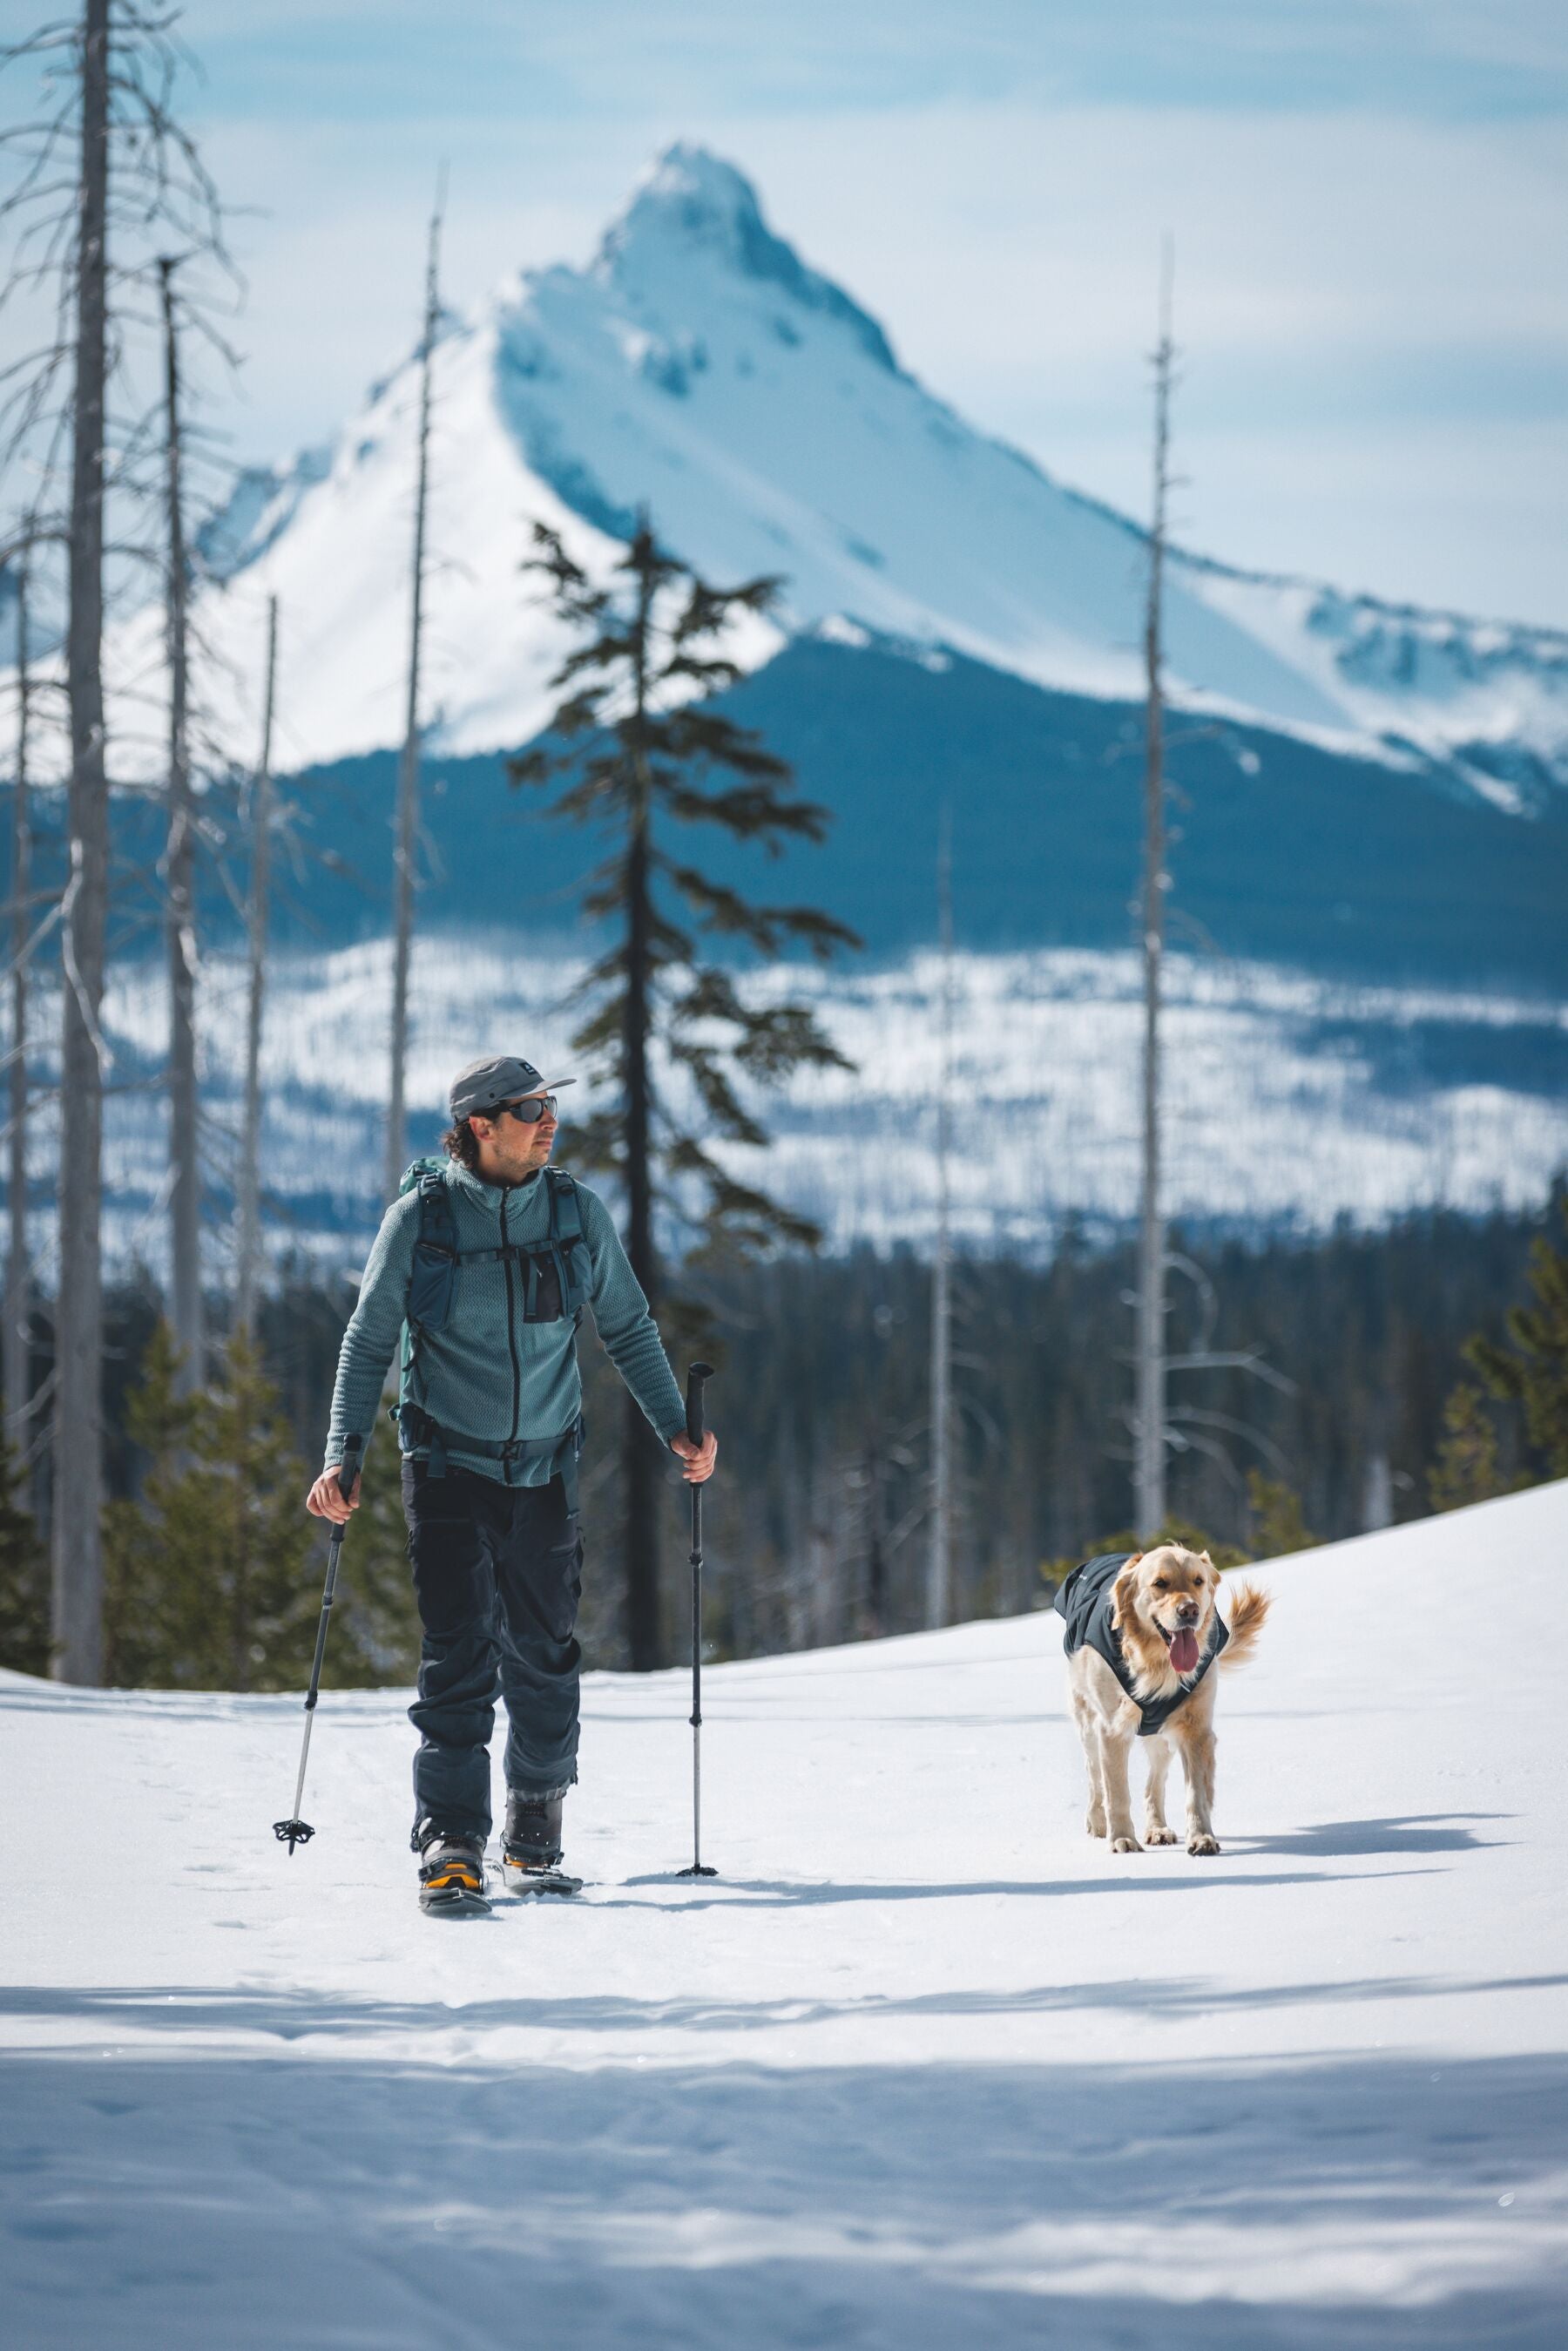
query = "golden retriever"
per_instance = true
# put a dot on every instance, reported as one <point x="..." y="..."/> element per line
<point x="1163" y="1604"/>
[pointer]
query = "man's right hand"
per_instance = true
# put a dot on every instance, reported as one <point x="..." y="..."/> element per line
<point x="325" y="1499"/>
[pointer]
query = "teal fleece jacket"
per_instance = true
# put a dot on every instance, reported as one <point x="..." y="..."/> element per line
<point x="489" y="1374"/>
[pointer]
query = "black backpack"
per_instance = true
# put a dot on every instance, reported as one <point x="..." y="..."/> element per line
<point x="556" y="1272"/>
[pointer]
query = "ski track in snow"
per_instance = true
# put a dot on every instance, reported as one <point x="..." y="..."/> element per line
<point x="923" y="2067"/>
<point x="1289" y="1100"/>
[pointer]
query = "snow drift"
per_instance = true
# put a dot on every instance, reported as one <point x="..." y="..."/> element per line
<point x="922" y="2066"/>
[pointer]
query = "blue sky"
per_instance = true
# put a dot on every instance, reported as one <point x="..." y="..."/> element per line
<point x="1368" y="199"/>
<point x="608" y="57"/>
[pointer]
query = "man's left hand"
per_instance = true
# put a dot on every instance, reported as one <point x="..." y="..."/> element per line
<point x="696" y="1461"/>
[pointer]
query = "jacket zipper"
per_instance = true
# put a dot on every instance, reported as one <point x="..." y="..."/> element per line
<point x="510" y="1331"/>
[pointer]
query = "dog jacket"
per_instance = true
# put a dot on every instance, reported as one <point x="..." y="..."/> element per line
<point x="1084" y="1602"/>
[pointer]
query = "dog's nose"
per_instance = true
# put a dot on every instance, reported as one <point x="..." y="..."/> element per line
<point x="1187" y="1610"/>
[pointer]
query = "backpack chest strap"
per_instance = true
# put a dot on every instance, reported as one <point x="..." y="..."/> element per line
<point x="507" y="1253"/>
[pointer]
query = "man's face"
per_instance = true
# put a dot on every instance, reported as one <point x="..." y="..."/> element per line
<point x="511" y="1148"/>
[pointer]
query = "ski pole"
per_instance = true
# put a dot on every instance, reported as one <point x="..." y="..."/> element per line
<point x="697" y="1378"/>
<point x="295" y="1830"/>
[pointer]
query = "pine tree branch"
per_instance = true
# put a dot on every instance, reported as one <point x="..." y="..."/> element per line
<point x="698" y="733"/>
<point x="707" y="610"/>
<point x="752" y="812"/>
<point x="737" y="1215"/>
<point x="717" y="1096"/>
<point x="726" y="912"/>
<point x="783" y="1039"/>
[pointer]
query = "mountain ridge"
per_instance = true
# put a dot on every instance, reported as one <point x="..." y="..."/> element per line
<point x="697" y="366"/>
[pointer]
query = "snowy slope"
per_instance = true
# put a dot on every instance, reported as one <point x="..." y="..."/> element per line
<point x="699" y="367"/>
<point x="922" y="2066"/>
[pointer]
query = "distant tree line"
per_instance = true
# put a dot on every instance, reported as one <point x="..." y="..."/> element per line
<point x="815" y="1529"/>
<point x="1427" y="1366"/>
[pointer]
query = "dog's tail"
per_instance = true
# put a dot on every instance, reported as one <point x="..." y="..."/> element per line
<point x="1249" y="1614"/>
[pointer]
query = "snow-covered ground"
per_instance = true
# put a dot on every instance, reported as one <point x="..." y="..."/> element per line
<point x="921" y="2067"/>
<point x="1292" y="1100"/>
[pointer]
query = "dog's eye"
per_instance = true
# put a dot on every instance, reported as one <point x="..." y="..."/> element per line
<point x="1162" y="1583"/>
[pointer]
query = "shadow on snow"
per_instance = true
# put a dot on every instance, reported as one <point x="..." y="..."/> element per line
<point x="333" y="2200"/>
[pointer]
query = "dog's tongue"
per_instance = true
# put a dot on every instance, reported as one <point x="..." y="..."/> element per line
<point x="1184" y="1651"/>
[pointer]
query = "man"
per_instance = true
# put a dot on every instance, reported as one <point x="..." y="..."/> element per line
<point x="484" y="1266"/>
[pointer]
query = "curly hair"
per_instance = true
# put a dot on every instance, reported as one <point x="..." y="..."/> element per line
<point x="461" y="1143"/>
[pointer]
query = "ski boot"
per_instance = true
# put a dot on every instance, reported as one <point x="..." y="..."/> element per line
<point x="452" y="1872"/>
<point x="531" y="1847"/>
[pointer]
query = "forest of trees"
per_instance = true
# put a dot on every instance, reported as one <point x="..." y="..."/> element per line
<point x="1426" y="1366"/>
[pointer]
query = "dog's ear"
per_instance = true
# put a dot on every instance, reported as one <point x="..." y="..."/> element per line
<point x="1206" y="1562"/>
<point x="1122" y="1591"/>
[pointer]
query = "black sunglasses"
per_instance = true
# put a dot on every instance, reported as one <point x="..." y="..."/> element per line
<point x="529" y="1112"/>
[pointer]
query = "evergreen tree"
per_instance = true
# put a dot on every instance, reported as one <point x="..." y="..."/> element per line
<point x="1467" y="1468"/>
<point x="1278" y="1525"/>
<point x="24" y="1578"/>
<point x="638" y="748"/>
<point x="211" y="1576"/>
<point x="1531" y="1371"/>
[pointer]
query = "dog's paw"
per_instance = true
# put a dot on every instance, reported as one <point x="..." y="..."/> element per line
<point x="1094" y="1825"/>
<point x="1128" y="1844"/>
<point x="1201" y="1844"/>
<point x="1159" y="1836"/>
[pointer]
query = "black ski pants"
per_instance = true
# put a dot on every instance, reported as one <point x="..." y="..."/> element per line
<point x="498" y="1575"/>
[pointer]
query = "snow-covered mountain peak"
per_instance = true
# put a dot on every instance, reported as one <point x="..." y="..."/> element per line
<point x="690" y="194"/>
<point x="693" y="212"/>
<point x="698" y="369"/>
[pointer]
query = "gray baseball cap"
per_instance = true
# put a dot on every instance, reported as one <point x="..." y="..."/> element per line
<point x="497" y="1078"/>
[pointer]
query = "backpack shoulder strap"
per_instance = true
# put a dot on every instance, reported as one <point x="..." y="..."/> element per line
<point x="428" y="1301"/>
<point x="568" y="1242"/>
<point x="437" y="1223"/>
<point x="565" y="1209"/>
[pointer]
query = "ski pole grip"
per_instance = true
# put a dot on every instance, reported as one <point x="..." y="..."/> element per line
<point x="697" y="1378"/>
<point x="348" y="1468"/>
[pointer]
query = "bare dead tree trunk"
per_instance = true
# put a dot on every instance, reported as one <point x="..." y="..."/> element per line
<point x="407" y="849"/>
<point x="877" y="1542"/>
<point x="180" y="860"/>
<point x="640" y="1457"/>
<point x="77" y="1554"/>
<point x="18" y="1266"/>
<point x="1150" y="1416"/>
<point x="939" y="1564"/>
<point x="256" y="925"/>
